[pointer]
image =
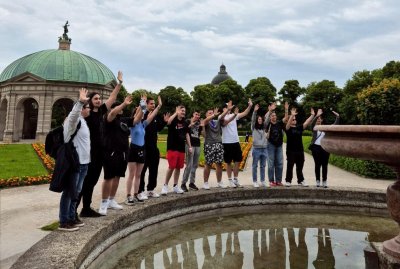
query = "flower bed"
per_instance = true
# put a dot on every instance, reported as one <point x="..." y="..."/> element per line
<point x="47" y="161"/>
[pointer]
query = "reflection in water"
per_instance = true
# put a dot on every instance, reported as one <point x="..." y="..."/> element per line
<point x="250" y="242"/>
<point x="325" y="258"/>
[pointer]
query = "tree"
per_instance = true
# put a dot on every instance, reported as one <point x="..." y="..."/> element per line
<point x="291" y="91"/>
<point x="324" y="95"/>
<point x="391" y="70"/>
<point x="172" y="97"/>
<point x="359" y="81"/>
<point x="262" y="92"/>
<point x="230" y="90"/>
<point x="379" y="103"/>
<point x="203" y="97"/>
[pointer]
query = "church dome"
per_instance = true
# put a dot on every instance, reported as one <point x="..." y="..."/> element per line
<point x="60" y="65"/>
<point x="221" y="76"/>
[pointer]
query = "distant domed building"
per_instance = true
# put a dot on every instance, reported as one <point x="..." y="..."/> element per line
<point x="221" y="76"/>
<point x="37" y="87"/>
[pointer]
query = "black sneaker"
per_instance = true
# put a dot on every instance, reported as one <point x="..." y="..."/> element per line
<point x="193" y="187"/>
<point x="136" y="199"/>
<point x="89" y="213"/>
<point x="77" y="223"/>
<point x="184" y="188"/>
<point x="67" y="227"/>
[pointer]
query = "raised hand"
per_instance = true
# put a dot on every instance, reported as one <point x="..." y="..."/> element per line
<point x="312" y="111"/>
<point x="286" y="106"/>
<point x="256" y="107"/>
<point x="216" y="112"/>
<point x="159" y="101"/>
<point x="272" y="106"/>
<point x="128" y="100"/>
<point x="250" y="103"/>
<point x="319" y="112"/>
<point x="293" y="111"/>
<point x="335" y="113"/>
<point x="119" y="77"/>
<point x="83" y="95"/>
<point x="166" y="116"/>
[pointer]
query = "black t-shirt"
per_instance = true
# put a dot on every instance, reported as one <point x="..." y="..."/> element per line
<point x="156" y="125"/>
<point x="116" y="134"/>
<point x="95" y="123"/>
<point x="294" y="139"/>
<point x="275" y="133"/>
<point x="177" y="131"/>
<point x="194" y="132"/>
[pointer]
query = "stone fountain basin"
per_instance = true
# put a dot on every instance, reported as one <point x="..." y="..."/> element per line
<point x="79" y="249"/>
<point x="369" y="142"/>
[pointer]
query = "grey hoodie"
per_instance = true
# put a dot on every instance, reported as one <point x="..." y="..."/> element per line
<point x="259" y="136"/>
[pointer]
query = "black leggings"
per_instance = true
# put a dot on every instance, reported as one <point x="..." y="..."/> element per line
<point x="321" y="158"/>
<point x="92" y="176"/>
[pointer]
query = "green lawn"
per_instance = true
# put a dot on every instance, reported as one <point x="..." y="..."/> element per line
<point x="17" y="160"/>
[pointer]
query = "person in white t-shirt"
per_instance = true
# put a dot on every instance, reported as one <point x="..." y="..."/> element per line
<point x="230" y="141"/>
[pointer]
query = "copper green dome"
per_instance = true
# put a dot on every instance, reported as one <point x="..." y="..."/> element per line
<point x="60" y="65"/>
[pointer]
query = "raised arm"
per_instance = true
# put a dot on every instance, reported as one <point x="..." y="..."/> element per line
<point x="116" y="110"/>
<point x="138" y="115"/>
<point x="72" y="120"/>
<point x="314" y="120"/>
<point x="337" y="117"/>
<point x="151" y="116"/>
<point x="254" y="117"/>
<point x="286" y="117"/>
<point x="114" y="93"/>
<point x="173" y="116"/>
<point x="293" y="113"/>
<point x="234" y="115"/>
<point x="209" y="118"/>
<point x="244" y="113"/>
<point x="308" y="121"/>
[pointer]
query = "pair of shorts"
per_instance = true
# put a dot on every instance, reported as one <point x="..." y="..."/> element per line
<point x="136" y="154"/>
<point x="115" y="164"/>
<point x="232" y="153"/>
<point x="214" y="153"/>
<point x="176" y="159"/>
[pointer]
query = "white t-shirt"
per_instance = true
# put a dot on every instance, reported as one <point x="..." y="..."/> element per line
<point x="320" y="135"/>
<point x="229" y="132"/>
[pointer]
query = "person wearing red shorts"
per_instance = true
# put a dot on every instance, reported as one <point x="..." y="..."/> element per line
<point x="178" y="133"/>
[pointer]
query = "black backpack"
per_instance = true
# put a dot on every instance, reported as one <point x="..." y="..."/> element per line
<point x="55" y="139"/>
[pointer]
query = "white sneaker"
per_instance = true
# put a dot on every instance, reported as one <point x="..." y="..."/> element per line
<point x="324" y="184"/>
<point x="255" y="185"/>
<point x="114" y="205"/>
<point x="303" y="184"/>
<point x="153" y="194"/>
<point x="264" y="184"/>
<point x="236" y="181"/>
<point x="318" y="183"/>
<point x="103" y="208"/>
<point x="129" y="200"/>
<point x="164" y="190"/>
<point x="232" y="184"/>
<point x="288" y="184"/>
<point x="206" y="186"/>
<point x="178" y="189"/>
<point x="143" y="196"/>
<point x="221" y="185"/>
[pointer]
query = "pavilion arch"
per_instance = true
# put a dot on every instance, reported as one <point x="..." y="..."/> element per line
<point x="26" y="118"/>
<point x="60" y="109"/>
<point x="3" y="117"/>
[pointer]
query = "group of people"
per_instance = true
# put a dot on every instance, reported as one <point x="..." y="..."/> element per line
<point x="102" y="142"/>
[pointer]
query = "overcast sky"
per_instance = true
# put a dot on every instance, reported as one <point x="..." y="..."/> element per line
<point x="183" y="43"/>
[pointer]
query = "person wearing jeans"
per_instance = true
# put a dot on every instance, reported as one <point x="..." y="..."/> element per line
<point x="69" y="220"/>
<point x="274" y="147"/>
<point x="192" y="160"/>
<point x="259" y="147"/>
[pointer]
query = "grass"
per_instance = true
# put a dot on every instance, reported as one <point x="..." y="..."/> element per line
<point x="18" y="160"/>
<point x="51" y="227"/>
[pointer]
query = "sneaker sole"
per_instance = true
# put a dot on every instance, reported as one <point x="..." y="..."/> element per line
<point x="68" y="229"/>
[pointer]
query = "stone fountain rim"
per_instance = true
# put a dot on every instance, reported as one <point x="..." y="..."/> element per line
<point x="388" y="129"/>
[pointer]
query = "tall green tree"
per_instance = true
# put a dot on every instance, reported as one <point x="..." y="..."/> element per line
<point x="172" y="97"/>
<point x="323" y="95"/>
<point x="203" y="97"/>
<point x="262" y="92"/>
<point x="230" y="90"/>
<point x="347" y="106"/>
<point x="379" y="103"/>
<point x="291" y="92"/>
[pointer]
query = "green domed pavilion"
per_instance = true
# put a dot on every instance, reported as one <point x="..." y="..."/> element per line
<point x="37" y="86"/>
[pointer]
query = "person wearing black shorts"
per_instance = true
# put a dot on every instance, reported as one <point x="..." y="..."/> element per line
<point x="116" y="137"/>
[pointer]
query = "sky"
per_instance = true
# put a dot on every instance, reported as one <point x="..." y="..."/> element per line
<point x="183" y="43"/>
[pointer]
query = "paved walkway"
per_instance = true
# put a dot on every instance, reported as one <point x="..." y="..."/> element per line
<point x="25" y="209"/>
